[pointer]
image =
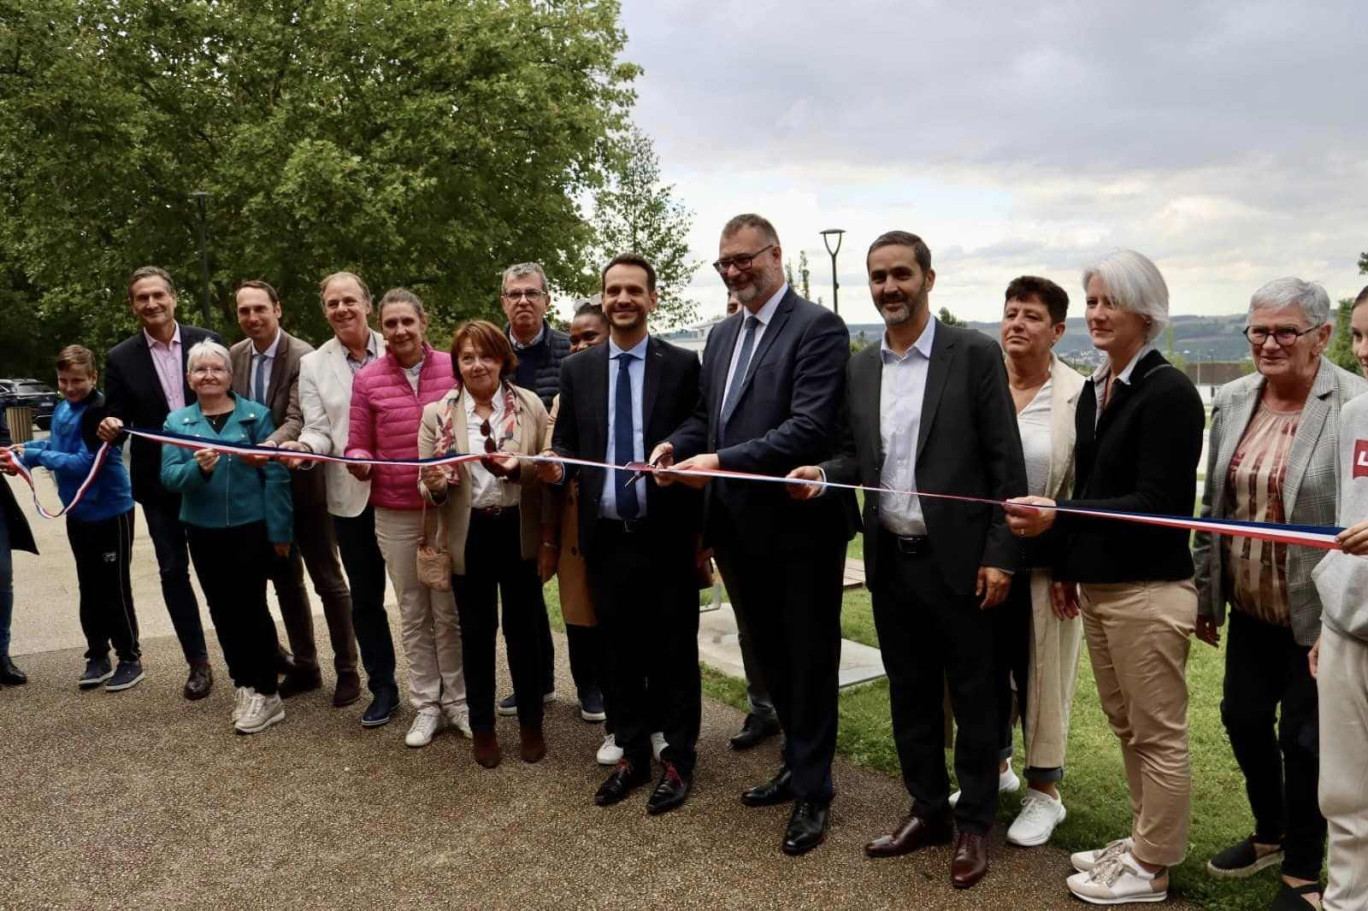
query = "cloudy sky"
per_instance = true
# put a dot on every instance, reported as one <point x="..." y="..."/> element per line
<point x="1224" y="140"/>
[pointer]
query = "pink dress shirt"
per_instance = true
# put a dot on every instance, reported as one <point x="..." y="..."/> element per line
<point x="167" y="361"/>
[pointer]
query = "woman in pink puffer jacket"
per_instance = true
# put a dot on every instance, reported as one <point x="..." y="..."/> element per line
<point x="387" y="402"/>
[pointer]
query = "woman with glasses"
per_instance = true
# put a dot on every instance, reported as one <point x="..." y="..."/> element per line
<point x="388" y="397"/>
<point x="236" y="509"/>
<point x="1272" y="456"/>
<point x="493" y="517"/>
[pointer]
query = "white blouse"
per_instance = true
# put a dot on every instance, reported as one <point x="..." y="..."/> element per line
<point x="1036" y="444"/>
<point x="486" y="490"/>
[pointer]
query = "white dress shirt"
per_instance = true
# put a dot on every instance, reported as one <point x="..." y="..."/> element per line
<point x="636" y="372"/>
<point x="765" y="315"/>
<point x="259" y="395"/>
<point x="486" y="490"/>
<point x="902" y="388"/>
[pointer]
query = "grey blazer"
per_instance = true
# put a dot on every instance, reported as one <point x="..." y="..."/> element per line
<point x="1310" y="490"/>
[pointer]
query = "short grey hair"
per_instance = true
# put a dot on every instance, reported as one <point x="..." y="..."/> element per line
<point x="523" y="269"/>
<point x="1133" y="283"/>
<point x="1291" y="291"/>
<point x="207" y="349"/>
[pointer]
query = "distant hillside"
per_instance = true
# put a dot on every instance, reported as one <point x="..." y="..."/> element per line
<point x="1208" y="338"/>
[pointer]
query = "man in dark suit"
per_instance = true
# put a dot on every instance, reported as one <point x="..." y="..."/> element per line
<point x="639" y="540"/>
<point x="145" y="381"/>
<point x="15" y="534"/>
<point x="930" y="409"/>
<point x="770" y="392"/>
<point x="266" y="370"/>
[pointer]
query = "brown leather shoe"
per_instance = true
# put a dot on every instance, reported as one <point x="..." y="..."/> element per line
<point x="533" y="745"/>
<point x="348" y="689"/>
<point x="912" y="834"/>
<point x="485" y="748"/>
<point x="971" y="860"/>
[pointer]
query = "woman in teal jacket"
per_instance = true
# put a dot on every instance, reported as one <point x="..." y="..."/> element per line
<point x="237" y="508"/>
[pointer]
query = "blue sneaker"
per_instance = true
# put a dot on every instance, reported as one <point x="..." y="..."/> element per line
<point x="591" y="705"/>
<point x="129" y="675"/>
<point x="508" y="706"/>
<point x="97" y="671"/>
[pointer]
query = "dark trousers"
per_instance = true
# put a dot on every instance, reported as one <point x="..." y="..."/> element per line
<point x="929" y="635"/>
<point x="547" y="650"/>
<point x="646" y="595"/>
<point x="1012" y="632"/>
<point x="1265" y="668"/>
<point x="231" y="566"/>
<point x="173" y="563"/>
<point x="792" y="606"/>
<point x="315" y="548"/>
<point x="757" y="694"/>
<point x="365" y="566"/>
<point x="494" y="566"/>
<point x="104" y="552"/>
<point x="587" y="658"/>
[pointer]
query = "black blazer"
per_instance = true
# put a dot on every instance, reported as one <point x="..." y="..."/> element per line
<point x="134" y="395"/>
<point x="968" y="444"/>
<point x="20" y="535"/>
<point x="786" y="416"/>
<point x="669" y="393"/>
<point x="1141" y="457"/>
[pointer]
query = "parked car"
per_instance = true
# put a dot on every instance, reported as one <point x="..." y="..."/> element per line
<point x="28" y="392"/>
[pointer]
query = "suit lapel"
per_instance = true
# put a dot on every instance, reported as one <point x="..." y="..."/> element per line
<point x="776" y="326"/>
<point x="279" y="371"/>
<point x="727" y="332"/>
<point x="145" y="352"/>
<point x="866" y="384"/>
<point x="942" y="356"/>
<point x="1309" y="427"/>
<point x="187" y="341"/>
<point x="596" y="444"/>
<point x="655" y="362"/>
<point x="1239" y="412"/>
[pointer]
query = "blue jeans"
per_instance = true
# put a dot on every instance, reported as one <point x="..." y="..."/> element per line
<point x="6" y="586"/>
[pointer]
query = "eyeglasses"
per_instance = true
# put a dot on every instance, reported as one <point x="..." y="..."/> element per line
<point x="532" y="296"/>
<point x="1285" y="336"/>
<point x="209" y="371"/>
<point x="742" y="263"/>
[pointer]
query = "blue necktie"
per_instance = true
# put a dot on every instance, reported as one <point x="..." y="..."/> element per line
<point x="742" y="365"/>
<point x="623" y="451"/>
<point x="261" y="379"/>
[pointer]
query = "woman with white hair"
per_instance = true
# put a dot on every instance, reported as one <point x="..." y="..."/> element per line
<point x="236" y="509"/>
<point x="1272" y="458"/>
<point x="1139" y="427"/>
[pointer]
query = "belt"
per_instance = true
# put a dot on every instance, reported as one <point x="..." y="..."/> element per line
<point x="912" y="544"/>
<point x="626" y="526"/>
<point x="490" y="511"/>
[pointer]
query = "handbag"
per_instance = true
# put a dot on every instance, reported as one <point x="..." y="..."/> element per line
<point x="434" y="563"/>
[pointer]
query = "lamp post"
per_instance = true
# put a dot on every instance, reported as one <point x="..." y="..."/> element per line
<point x="826" y="240"/>
<point x="200" y="196"/>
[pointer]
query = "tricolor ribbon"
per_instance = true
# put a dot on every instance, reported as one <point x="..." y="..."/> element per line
<point x="27" y="475"/>
<point x="1321" y="537"/>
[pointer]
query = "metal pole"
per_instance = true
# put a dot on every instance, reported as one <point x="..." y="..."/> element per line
<point x="835" y="298"/>
<point x="200" y="197"/>
<point x="839" y="234"/>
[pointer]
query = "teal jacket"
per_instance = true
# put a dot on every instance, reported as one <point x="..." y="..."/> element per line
<point x="234" y="493"/>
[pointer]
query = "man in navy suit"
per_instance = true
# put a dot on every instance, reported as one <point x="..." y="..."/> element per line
<point x="772" y="385"/>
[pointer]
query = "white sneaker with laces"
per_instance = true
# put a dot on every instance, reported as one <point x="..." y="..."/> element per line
<point x="1036" y="822"/>
<point x="261" y="712"/>
<point x="1007" y="782"/>
<point x="424" y="726"/>
<point x="610" y="753"/>
<point x="242" y="696"/>
<point x="1083" y="861"/>
<point x="658" y="745"/>
<point x="1119" y="880"/>
<point x="460" y="720"/>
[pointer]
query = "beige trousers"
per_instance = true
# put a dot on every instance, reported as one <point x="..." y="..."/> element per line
<point x="429" y="627"/>
<point x="1343" y="683"/>
<point x="1138" y="636"/>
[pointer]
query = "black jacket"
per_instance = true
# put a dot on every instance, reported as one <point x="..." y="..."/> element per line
<point x="539" y="365"/>
<point x="1142" y="457"/>
<point x="20" y="535"/>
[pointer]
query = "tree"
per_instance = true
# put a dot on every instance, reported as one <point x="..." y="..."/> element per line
<point x="804" y="274"/>
<point x="1341" y="347"/>
<point x="948" y="318"/>
<point x="635" y="212"/>
<point x="417" y="142"/>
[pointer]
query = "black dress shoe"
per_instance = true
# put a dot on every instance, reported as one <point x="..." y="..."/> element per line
<point x="777" y="790"/>
<point x="300" y="681"/>
<point x="284" y="661"/>
<point x="200" y="681"/>
<point x="671" y="791"/>
<point x="348" y="689"/>
<point x="9" y="674"/>
<point x="806" y="828"/>
<point x="381" y="709"/>
<point x="626" y="776"/>
<point x="755" y="730"/>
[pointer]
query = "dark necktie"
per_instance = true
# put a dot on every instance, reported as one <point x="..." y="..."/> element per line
<point x="261" y="378"/>
<point x="742" y="364"/>
<point x="623" y="451"/>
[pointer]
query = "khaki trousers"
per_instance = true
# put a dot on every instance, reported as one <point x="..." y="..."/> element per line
<point x="1138" y="636"/>
<point x="1343" y="683"/>
<point x="429" y="627"/>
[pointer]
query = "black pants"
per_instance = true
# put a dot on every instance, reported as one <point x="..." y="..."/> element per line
<point x="104" y="552"/>
<point x="547" y="649"/>
<point x="792" y="606"/>
<point x="365" y="566"/>
<point x="231" y="566"/>
<point x="646" y="595"/>
<point x="1265" y="667"/>
<point x="929" y="635"/>
<point x="587" y="657"/>
<point x="315" y="548"/>
<point x="494" y="567"/>
<point x="173" y="563"/>
<point x="1012" y="632"/>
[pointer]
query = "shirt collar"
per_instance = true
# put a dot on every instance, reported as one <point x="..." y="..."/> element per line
<point x="271" y="351"/>
<point x="922" y="345"/>
<point x="370" y="347"/>
<point x="541" y="334"/>
<point x="637" y="351"/>
<point x="1100" y="374"/>
<point x="153" y="343"/>
<point x="766" y="313"/>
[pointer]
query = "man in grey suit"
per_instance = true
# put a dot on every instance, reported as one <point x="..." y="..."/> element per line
<point x="266" y="370"/>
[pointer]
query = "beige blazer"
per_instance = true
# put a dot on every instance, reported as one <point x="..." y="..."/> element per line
<point x="325" y="385"/>
<point x="455" y="506"/>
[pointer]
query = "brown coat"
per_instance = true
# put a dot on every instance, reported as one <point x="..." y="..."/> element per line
<point x="572" y="579"/>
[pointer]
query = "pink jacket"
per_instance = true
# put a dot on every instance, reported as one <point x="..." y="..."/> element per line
<point x="385" y="414"/>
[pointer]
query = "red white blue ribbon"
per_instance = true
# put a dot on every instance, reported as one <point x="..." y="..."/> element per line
<point x="43" y="511"/>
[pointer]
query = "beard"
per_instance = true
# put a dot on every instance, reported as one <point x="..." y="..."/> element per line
<point x="896" y="317"/>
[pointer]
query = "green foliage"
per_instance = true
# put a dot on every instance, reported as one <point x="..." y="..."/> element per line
<point x="948" y="318"/>
<point x="417" y="142"/>
<point x="1341" y="347"/>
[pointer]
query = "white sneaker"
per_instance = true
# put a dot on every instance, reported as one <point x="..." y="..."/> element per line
<point x="1036" y="822"/>
<point x="261" y="712"/>
<point x="460" y="720"/>
<point x="1007" y="782"/>
<point x="1083" y="861"/>
<point x="242" y="696"/>
<point x="424" y="726"/>
<point x="1119" y="880"/>
<point x="610" y="753"/>
<point x="658" y="745"/>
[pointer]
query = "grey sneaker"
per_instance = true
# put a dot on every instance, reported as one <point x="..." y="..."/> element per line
<point x="129" y="675"/>
<point x="261" y="712"/>
<point x="97" y="671"/>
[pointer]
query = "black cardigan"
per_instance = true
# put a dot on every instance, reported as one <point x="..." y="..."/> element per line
<point x="1142" y="457"/>
<point x="539" y="365"/>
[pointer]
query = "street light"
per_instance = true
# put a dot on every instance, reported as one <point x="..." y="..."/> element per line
<point x="200" y="196"/>
<point x="826" y="239"/>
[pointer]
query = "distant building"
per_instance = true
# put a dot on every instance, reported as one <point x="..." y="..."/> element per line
<point x="692" y="338"/>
